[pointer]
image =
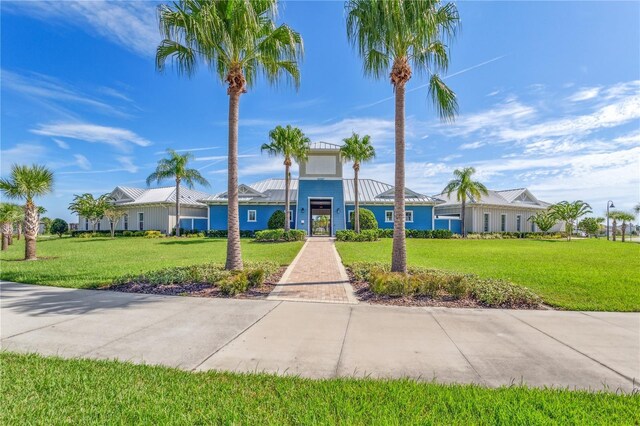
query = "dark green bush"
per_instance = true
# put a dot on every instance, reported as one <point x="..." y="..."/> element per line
<point x="418" y="233"/>
<point x="349" y="235"/>
<point x="367" y="220"/>
<point x="222" y="233"/>
<point x="276" y="235"/>
<point x="59" y="227"/>
<point x="276" y="221"/>
<point x="234" y="283"/>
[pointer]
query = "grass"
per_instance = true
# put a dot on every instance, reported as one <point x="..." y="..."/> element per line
<point x="577" y="275"/>
<point x="92" y="262"/>
<point x="37" y="390"/>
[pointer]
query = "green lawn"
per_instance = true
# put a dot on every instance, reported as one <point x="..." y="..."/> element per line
<point x="578" y="275"/>
<point x="91" y="262"/>
<point x="37" y="390"/>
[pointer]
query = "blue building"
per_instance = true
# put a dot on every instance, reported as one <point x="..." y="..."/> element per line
<point x="322" y="201"/>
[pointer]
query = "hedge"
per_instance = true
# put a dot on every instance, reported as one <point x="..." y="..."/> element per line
<point x="273" y="235"/>
<point x="119" y="233"/>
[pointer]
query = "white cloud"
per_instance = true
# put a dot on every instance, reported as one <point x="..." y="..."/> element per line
<point x="131" y="24"/>
<point x="223" y="157"/>
<point x="82" y="162"/>
<point x="61" y="144"/>
<point x="22" y="153"/>
<point x="119" y="138"/>
<point x="584" y="94"/>
<point x="127" y="164"/>
<point x="471" y="145"/>
<point x="380" y="130"/>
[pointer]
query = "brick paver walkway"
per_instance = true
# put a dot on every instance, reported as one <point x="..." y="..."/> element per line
<point x="315" y="275"/>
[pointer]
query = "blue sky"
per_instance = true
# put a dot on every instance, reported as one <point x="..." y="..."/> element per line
<point x="549" y="96"/>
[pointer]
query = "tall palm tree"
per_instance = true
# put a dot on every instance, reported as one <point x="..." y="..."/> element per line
<point x="614" y="215"/>
<point x="239" y="41"/>
<point x="358" y="150"/>
<point x="404" y="36"/>
<point x="9" y="214"/>
<point x="175" y="167"/>
<point x="626" y="218"/>
<point x="464" y="186"/>
<point x="290" y="143"/>
<point x="26" y="183"/>
<point x="570" y="213"/>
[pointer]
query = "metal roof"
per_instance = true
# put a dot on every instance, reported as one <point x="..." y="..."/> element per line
<point x="159" y="195"/>
<point x="325" y="146"/>
<point x="506" y="197"/>
<point x="369" y="191"/>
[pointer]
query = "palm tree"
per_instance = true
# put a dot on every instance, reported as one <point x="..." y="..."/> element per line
<point x="26" y="183"/>
<point x="175" y="167"/>
<point x="544" y="220"/>
<point x="625" y="217"/>
<point x="91" y="208"/>
<point x="240" y="41"/>
<point x="404" y="36"/>
<point x="464" y="186"/>
<point x="614" y="215"/>
<point x="570" y="213"/>
<point x="9" y="214"/>
<point x="290" y="143"/>
<point x="359" y="150"/>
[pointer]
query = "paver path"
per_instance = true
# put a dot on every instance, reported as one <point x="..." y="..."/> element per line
<point x="315" y="275"/>
<point x="493" y="347"/>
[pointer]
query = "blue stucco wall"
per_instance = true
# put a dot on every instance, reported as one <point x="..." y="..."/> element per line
<point x="218" y="216"/>
<point x="320" y="189"/>
<point x="422" y="216"/>
<point x="455" y="225"/>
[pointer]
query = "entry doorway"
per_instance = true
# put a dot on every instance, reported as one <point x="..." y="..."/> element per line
<point x="321" y="219"/>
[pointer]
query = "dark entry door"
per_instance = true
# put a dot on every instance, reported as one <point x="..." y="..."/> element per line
<point x="320" y="217"/>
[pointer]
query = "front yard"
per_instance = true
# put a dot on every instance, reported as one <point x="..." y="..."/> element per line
<point x="577" y="275"/>
<point x="93" y="262"/>
<point x="37" y="390"/>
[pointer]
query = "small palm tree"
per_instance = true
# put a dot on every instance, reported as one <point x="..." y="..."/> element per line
<point x="544" y="220"/>
<point x="626" y="218"/>
<point x="290" y="143"/>
<point x="9" y="214"/>
<point x="464" y="186"/>
<point x="239" y="41"/>
<point x="359" y="150"/>
<point x="175" y="167"/>
<point x="26" y="183"/>
<point x="402" y="36"/>
<point x="569" y="213"/>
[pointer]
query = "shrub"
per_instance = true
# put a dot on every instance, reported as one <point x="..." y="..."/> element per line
<point x="367" y="220"/>
<point x="59" y="227"/>
<point x="385" y="233"/>
<point x="88" y="235"/>
<point x="152" y="234"/>
<point x="234" y="283"/>
<point x="275" y="235"/>
<point x="256" y="276"/>
<point x="390" y="283"/>
<point x="222" y="233"/>
<point x="500" y="293"/>
<point x="349" y="235"/>
<point x="277" y="220"/>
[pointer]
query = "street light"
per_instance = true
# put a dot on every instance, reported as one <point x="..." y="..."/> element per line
<point x="609" y="205"/>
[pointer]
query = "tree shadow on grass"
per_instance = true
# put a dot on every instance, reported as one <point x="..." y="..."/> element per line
<point x="187" y="242"/>
<point x="42" y="300"/>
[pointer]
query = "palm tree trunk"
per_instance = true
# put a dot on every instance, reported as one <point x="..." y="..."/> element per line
<point x="399" y="252"/>
<point x="614" y="225"/>
<point x="177" y="207"/>
<point x="11" y="236"/>
<point x="287" y="178"/>
<point x="30" y="230"/>
<point x="6" y="231"/>
<point x="234" y="251"/>
<point x="623" y="228"/>
<point x="462" y="217"/>
<point x="19" y="229"/>
<point x="356" y="219"/>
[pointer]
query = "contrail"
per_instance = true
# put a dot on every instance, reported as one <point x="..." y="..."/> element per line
<point x="422" y="86"/>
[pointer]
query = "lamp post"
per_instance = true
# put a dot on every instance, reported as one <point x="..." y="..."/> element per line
<point x="609" y="205"/>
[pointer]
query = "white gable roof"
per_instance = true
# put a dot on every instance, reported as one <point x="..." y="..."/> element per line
<point x="507" y="197"/>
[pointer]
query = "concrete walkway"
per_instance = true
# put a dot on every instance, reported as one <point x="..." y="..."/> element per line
<point x="588" y="350"/>
<point x="315" y="275"/>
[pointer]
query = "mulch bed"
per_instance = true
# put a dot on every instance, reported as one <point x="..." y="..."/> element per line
<point x="365" y="295"/>
<point x="198" y="289"/>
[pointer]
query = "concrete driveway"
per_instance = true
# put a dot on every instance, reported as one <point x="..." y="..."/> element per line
<point x="587" y="350"/>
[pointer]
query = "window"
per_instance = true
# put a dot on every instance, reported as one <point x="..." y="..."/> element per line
<point x="503" y="223"/>
<point x="86" y="224"/>
<point x="251" y="216"/>
<point x="388" y="216"/>
<point x="533" y="227"/>
<point x="98" y="226"/>
<point x="485" y="224"/>
<point x="126" y="222"/>
<point x="518" y="223"/>
<point x="290" y="215"/>
<point x="140" y="221"/>
<point x="408" y="216"/>
<point x="351" y="213"/>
